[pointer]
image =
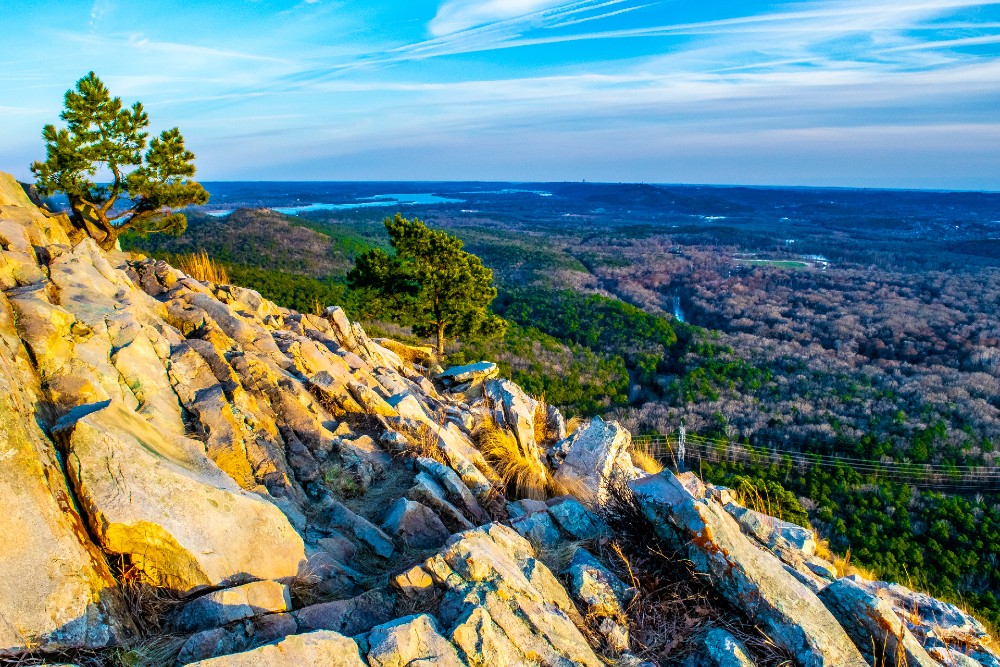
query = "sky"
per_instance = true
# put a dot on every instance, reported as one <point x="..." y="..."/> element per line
<point x="853" y="93"/>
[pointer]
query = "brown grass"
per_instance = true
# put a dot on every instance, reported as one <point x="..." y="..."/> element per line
<point x="845" y="568"/>
<point x="202" y="267"/>
<point x="526" y="478"/>
<point x="574" y="424"/>
<point x="427" y="444"/>
<point x="643" y="458"/>
<point x="543" y="435"/>
<point x="750" y="496"/>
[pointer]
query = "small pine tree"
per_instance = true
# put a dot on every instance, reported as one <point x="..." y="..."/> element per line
<point x="429" y="283"/>
<point x="149" y="179"/>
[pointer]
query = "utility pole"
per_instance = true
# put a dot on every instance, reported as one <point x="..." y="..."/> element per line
<point x="681" y="447"/>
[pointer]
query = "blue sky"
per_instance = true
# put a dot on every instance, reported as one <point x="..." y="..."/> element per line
<point x="902" y="93"/>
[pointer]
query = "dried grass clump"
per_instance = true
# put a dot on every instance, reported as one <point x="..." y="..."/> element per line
<point x="541" y="423"/>
<point x="644" y="459"/>
<point x="426" y="443"/>
<point x="202" y="267"/>
<point x="147" y="652"/>
<point x="517" y="472"/>
<point x="574" y="424"/>
<point x="845" y="568"/>
<point x="750" y="496"/>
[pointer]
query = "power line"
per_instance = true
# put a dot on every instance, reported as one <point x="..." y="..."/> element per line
<point x="935" y="476"/>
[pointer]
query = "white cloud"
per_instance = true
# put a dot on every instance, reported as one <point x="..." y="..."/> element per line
<point x="457" y="15"/>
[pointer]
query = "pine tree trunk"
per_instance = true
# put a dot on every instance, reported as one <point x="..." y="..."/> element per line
<point x="440" y="341"/>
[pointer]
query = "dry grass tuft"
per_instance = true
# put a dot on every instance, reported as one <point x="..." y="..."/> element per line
<point x="148" y="652"/>
<point x="202" y="267"/>
<point x="543" y="435"/>
<point x="526" y="478"/>
<point x="557" y="556"/>
<point x="750" y="496"/>
<point x="427" y="444"/>
<point x="643" y="458"/>
<point x="845" y="568"/>
<point x="574" y="424"/>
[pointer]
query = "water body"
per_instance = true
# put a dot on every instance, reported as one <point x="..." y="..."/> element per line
<point x="384" y="201"/>
<point x="509" y="191"/>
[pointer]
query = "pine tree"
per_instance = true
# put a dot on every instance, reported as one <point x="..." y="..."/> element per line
<point x="149" y="179"/>
<point x="430" y="283"/>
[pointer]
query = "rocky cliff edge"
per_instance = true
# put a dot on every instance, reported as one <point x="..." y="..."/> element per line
<point x="190" y="466"/>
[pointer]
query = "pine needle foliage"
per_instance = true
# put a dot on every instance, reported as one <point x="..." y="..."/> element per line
<point x="430" y="283"/>
<point x="150" y="180"/>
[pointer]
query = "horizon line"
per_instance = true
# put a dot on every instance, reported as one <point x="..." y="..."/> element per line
<point x="755" y="186"/>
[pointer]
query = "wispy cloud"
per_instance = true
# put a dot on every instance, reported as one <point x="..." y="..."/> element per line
<point x="457" y="15"/>
<point x="487" y="76"/>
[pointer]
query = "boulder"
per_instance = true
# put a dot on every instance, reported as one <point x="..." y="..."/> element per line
<point x="341" y="516"/>
<point x="494" y="569"/>
<point x="413" y="641"/>
<point x="236" y="638"/>
<point x="422" y="354"/>
<point x="483" y="643"/>
<point x="458" y="493"/>
<point x="604" y="596"/>
<point x="415" y="524"/>
<point x="480" y="371"/>
<point x="538" y="528"/>
<point x="56" y="593"/>
<point x="719" y="648"/>
<point x="158" y="499"/>
<point x="338" y="546"/>
<point x="774" y="533"/>
<point x="370" y="401"/>
<point x="513" y="409"/>
<point x="414" y="582"/>
<point x="349" y="617"/>
<point x="426" y="490"/>
<point x="315" y="648"/>
<point x="953" y="658"/>
<point x="588" y="462"/>
<point x="526" y="507"/>
<point x="233" y="604"/>
<point x="751" y="579"/>
<point x="875" y="628"/>
<point x="927" y="616"/>
<point x="576" y="520"/>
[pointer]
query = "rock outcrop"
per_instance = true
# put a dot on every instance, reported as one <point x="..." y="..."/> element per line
<point x="158" y="499"/>
<point x="591" y="459"/>
<point x="747" y="576"/>
<point x="306" y="495"/>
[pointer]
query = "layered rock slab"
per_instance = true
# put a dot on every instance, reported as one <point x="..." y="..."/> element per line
<point x="315" y="648"/>
<point x="587" y="462"/>
<point x="158" y="499"/>
<point x="55" y="590"/>
<point x="875" y="628"/>
<point x="492" y="579"/>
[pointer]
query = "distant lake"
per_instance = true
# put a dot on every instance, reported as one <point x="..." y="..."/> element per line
<point x="386" y="201"/>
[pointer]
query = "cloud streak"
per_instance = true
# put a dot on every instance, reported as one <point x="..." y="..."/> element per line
<point x="580" y="78"/>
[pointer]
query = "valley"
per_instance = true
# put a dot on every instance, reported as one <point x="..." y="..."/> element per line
<point x="810" y="322"/>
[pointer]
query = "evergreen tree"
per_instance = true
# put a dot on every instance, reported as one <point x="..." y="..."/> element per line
<point x="429" y="283"/>
<point x="148" y="179"/>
